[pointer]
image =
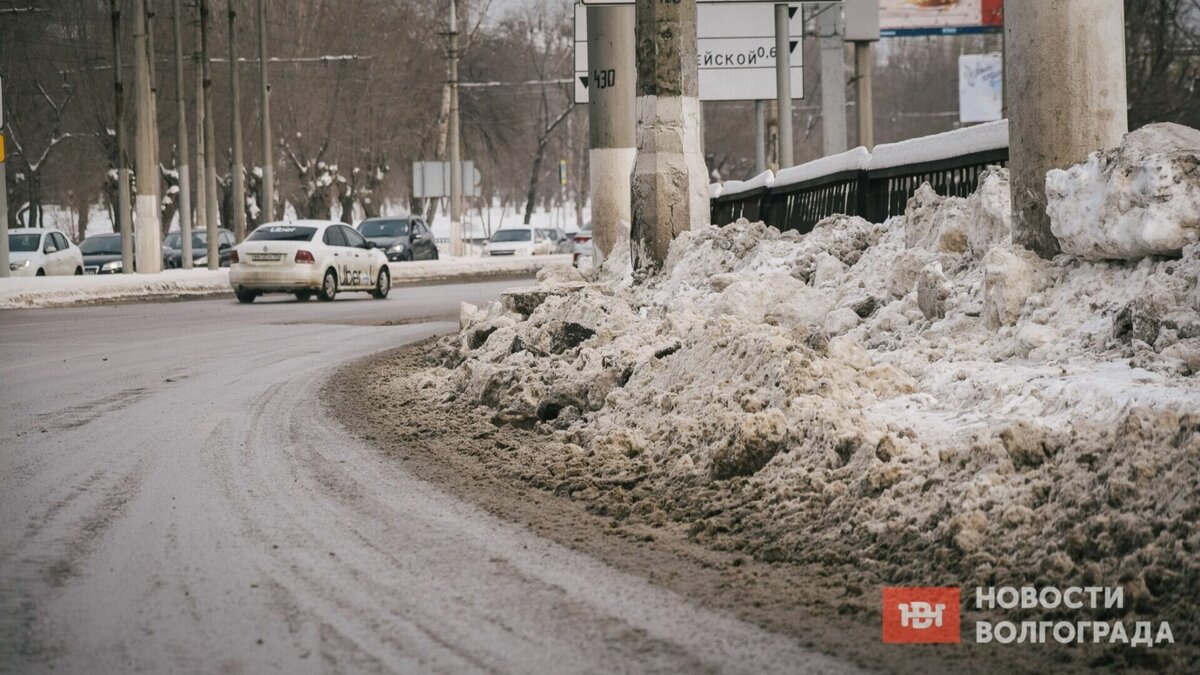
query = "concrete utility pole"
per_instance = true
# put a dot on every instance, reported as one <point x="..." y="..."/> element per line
<point x="268" y="159"/>
<point x="4" y="269"/>
<point x="862" y="28"/>
<point x="1066" y="69"/>
<point x="670" y="179"/>
<point x="611" y="123"/>
<point x="150" y="51"/>
<point x="148" y="236"/>
<point x="237" y="176"/>
<point x="833" y="78"/>
<point x="783" y="84"/>
<point x="122" y="161"/>
<point x="456" y="244"/>
<point x="181" y="151"/>
<point x="201" y="157"/>
<point x="210" y="144"/>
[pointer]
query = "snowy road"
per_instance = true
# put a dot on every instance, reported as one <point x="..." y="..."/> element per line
<point x="174" y="498"/>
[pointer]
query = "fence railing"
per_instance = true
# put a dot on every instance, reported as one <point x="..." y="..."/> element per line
<point x="875" y="185"/>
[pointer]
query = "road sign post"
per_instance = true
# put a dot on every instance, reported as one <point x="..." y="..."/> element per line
<point x="4" y="270"/>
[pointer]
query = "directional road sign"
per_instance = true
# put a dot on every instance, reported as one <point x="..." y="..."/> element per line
<point x="735" y="51"/>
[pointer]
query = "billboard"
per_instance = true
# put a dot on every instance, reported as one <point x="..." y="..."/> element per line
<point x="940" y="17"/>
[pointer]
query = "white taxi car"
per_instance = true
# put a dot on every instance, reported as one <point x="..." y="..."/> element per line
<point x="38" y="252"/>
<point x="307" y="257"/>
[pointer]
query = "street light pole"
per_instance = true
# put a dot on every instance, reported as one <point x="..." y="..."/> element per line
<point x="268" y="162"/>
<point x="237" y="177"/>
<point x="611" y="122"/>
<point x="182" y="151"/>
<point x="210" y="143"/>
<point x="783" y="83"/>
<point x="122" y="160"/>
<point x="456" y="244"/>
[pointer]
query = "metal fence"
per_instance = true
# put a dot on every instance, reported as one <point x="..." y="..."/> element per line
<point x="872" y="193"/>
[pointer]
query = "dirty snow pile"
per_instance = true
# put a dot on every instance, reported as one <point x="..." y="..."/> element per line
<point x="915" y="401"/>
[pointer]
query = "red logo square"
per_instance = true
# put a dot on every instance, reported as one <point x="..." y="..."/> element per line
<point x="920" y="615"/>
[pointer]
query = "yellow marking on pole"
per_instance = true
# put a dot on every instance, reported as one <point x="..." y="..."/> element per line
<point x="1" y="147"/>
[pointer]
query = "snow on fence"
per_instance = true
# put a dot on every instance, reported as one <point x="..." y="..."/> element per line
<point x="875" y="185"/>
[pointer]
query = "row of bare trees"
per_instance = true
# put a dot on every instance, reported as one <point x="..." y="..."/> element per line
<point x="358" y="93"/>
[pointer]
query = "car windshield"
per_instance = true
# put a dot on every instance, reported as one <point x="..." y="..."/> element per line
<point x="283" y="233"/>
<point x="512" y="235"/>
<point x="374" y="229"/>
<point x="174" y="240"/>
<point x="23" y="243"/>
<point x="110" y="245"/>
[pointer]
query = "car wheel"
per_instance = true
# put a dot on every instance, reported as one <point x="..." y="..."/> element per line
<point x="244" y="296"/>
<point x="435" y="254"/>
<point x="383" y="284"/>
<point x="304" y="296"/>
<point x="41" y="273"/>
<point x="78" y="271"/>
<point x="328" y="286"/>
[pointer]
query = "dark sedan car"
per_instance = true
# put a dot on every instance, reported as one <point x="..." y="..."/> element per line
<point x="101" y="254"/>
<point x="173" y="248"/>
<point x="401" y="239"/>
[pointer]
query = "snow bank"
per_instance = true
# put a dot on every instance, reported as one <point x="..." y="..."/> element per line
<point x="1138" y="200"/>
<point x="914" y="400"/>
<point x="29" y="292"/>
<point x="24" y="292"/>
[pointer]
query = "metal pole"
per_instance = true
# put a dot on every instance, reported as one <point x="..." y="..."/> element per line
<point x="833" y="78"/>
<point x="268" y="162"/>
<point x="456" y="245"/>
<point x="1068" y="99"/>
<point x="201" y="157"/>
<point x="866" y="108"/>
<point x="783" y="84"/>
<point x="611" y="123"/>
<point x="122" y="160"/>
<point x="210" y="143"/>
<point x="237" y="177"/>
<point x="4" y="269"/>
<point x="182" y="151"/>
<point x="760" y="137"/>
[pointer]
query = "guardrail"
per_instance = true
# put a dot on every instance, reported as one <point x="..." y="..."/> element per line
<point x="875" y="185"/>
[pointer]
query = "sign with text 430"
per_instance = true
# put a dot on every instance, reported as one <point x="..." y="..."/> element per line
<point x="735" y="53"/>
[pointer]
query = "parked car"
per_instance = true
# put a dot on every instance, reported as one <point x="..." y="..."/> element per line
<point x="101" y="254"/>
<point x="307" y="257"/>
<point x="562" y="243"/>
<point x="582" y="251"/>
<point x="39" y="252"/>
<point x="520" y="241"/>
<point x="173" y="248"/>
<point x="401" y="239"/>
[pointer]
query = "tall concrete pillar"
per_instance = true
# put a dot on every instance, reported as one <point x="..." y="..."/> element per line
<point x="833" y="78"/>
<point x="148" y="233"/>
<point x="670" y="180"/>
<point x="611" y="122"/>
<point x="1065" y="64"/>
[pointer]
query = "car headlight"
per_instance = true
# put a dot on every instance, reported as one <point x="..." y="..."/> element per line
<point x="20" y="265"/>
<point x="202" y="260"/>
<point x="114" y="266"/>
<point x="396" y="248"/>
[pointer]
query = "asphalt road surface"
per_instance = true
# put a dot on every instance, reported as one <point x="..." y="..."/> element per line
<point x="174" y="498"/>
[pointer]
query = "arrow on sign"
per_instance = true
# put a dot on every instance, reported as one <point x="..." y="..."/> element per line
<point x="792" y="11"/>
<point x="584" y="79"/>
<point x="793" y="44"/>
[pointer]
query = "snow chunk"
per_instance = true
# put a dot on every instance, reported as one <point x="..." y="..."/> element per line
<point x="1138" y="200"/>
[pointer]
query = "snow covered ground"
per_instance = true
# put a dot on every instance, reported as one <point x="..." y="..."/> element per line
<point x="26" y="292"/>
<point x="917" y="400"/>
